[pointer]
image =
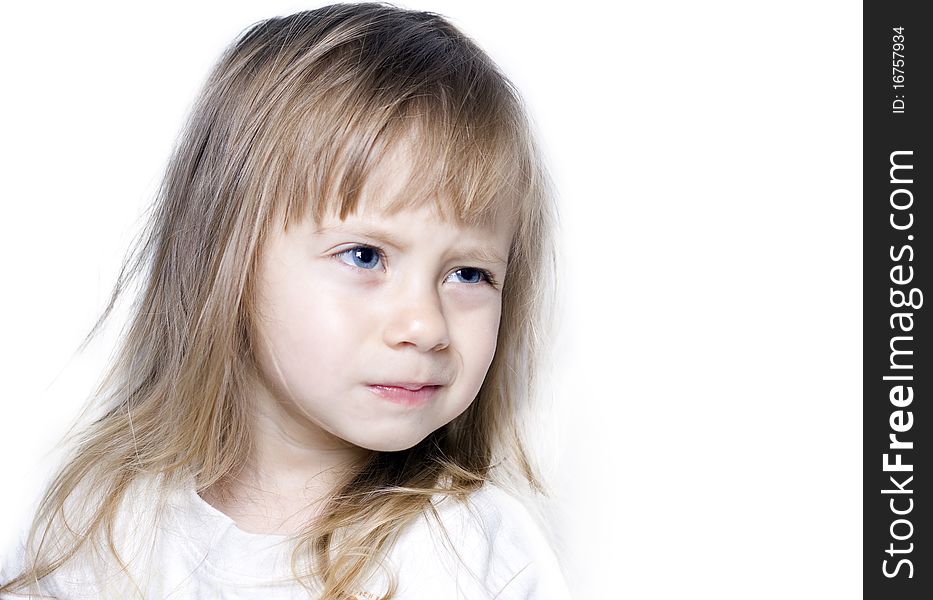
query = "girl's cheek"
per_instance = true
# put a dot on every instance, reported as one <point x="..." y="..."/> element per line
<point x="478" y="326"/>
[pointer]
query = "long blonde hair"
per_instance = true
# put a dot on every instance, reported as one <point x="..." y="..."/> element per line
<point x="289" y="124"/>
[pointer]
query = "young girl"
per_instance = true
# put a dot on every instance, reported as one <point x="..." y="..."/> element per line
<point x="321" y="387"/>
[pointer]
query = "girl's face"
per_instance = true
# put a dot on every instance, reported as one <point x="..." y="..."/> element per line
<point x="379" y="329"/>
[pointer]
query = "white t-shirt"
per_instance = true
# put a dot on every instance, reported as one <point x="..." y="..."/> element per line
<point x="190" y="550"/>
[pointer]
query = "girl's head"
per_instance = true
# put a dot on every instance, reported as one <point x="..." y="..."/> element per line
<point x="355" y="200"/>
<point x="353" y="239"/>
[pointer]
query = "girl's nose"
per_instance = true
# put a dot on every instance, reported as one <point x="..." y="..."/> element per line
<point x="417" y="319"/>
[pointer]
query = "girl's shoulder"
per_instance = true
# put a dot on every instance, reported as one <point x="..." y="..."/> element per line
<point x="135" y="517"/>
<point x="486" y="546"/>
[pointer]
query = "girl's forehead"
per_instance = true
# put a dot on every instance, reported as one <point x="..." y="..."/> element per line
<point x="403" y="181"/>
<point x="420" y="220"/>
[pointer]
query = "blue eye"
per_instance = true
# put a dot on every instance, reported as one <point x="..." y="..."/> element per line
<point x="364" y="257"/>
<point x="472" y="275"/>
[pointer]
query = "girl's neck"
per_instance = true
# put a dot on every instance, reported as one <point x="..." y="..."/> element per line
<point x="279" y="498"/>
<point x="294" y="469"/>
<point x="267" y="510"/>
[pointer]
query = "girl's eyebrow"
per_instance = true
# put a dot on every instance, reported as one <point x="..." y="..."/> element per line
<point x="365" y="231"/>
<point x="484" y="255"/>
<point x="477" y="253"/>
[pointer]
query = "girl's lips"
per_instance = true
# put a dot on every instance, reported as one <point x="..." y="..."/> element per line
<point x="404" y="395"/>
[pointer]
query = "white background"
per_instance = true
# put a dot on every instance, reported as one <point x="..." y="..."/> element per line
<point x="708" y="157"/>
